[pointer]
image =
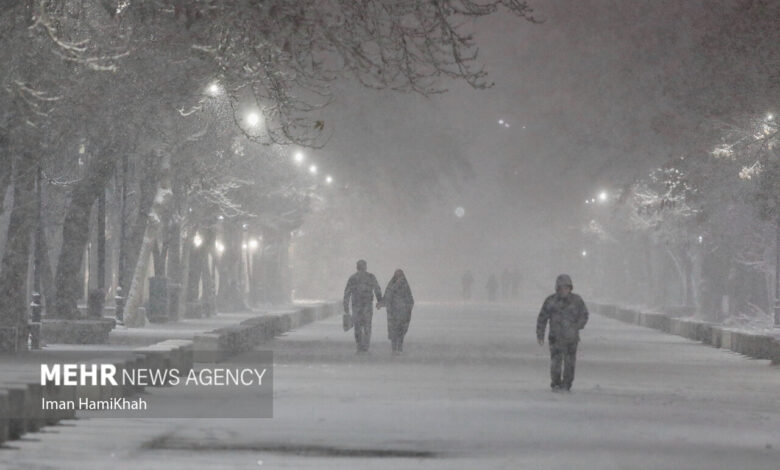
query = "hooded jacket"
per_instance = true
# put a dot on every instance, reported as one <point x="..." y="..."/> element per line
<point x="566" y="314"/>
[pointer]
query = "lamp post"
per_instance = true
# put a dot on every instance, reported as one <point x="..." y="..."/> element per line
<point x="777" y="268"/>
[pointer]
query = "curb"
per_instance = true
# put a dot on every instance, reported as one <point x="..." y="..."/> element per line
<point x="20" y="401"/>
<point x="756" y="346"/>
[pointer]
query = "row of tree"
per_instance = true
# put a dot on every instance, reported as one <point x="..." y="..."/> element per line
<point x="156" y="130"/>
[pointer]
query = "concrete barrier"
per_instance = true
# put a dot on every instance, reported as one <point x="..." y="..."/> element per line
<point x="17" y="425"/>
<point x="753" y="345"/>
<point x="4" y="413"/>
<point x="20" y="410"/>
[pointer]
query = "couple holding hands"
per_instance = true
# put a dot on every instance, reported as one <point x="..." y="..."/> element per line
<point x="361" y="289"/>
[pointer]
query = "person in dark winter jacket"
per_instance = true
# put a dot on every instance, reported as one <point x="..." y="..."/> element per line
<point x="566" y="313"/>
<point x="466" y="281"/>
<point x="399" y="302"/>
<point x="361" y="289"/>
<point x="492" y="287"/>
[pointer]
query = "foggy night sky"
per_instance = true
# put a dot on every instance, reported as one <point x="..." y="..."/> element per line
<point x="588" y="84"/>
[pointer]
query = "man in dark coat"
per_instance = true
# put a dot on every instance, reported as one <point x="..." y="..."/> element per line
<point x="567" y="315"/>
<point x="361" y="289"/>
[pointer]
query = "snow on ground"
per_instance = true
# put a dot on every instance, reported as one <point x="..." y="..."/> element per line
<point x="470" y="392"/>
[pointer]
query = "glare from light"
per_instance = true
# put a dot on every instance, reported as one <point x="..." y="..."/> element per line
<point x="253" y="244"/>
<point x="220" y="217"/>
<point x="299" y="157"/>
<point x="328" y="179"/>
<point x="506" y="124"/>
<point x="219" y="246"/>
<point x="584" y="253"/>
<point x="770" y="116"/>
<point x="460" y="212"/>
<point x="253" y="119"/>
<point x="214" y="89"/>
<point x="701" y="239"/>
<point x="243" y="246"/>
<point x="603" y="196"/>
<point x="245" y="226"/>
<point x="313" y="169"/>
<point x="501" y="122"/>
<point x="197" y="240"/>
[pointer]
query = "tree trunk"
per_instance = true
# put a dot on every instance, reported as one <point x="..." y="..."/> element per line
<point x="208" y="294"/>
<point x="15" y="262"/>
<point x="75" y="233"/>
<point x="133" y="318"/>
<point x="184" y="276"/>
<point x="229" y="295"/>
<point x="147" y="191"/>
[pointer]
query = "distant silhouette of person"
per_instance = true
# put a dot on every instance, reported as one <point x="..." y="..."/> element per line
<point x="467" y="281"/>
<point x="399" y="302"/>
<point x="516" y="278"/>
<point x="492" y="287"/>
<point x="361" y="289"/>
<point x="506" y="284"/>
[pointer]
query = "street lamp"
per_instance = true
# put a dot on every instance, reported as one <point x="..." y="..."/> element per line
<point x="603" y="196"/>
<point x="313" y="169"/>
<point x="253" y="119"/>
<point x="214" y="89"/>
<point x="584" y="253"/>
<point x="299" y="157"/>
<point x="253" y="244"/>
<point x="328" y="179"/>
<point x="219" y="246"/>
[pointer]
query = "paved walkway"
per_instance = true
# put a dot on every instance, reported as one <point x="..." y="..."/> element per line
<point x="470" y="392"/>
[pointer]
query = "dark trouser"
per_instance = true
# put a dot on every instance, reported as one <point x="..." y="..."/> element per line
<point x="397" y="326"/>
<point x="562" y="354"/>
<point x="362" y="320"/>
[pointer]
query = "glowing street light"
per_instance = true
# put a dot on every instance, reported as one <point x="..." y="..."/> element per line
<point x="253" y="244"/>
<point x="219" y="246"/>
<point x="603" y="196"/>
<point x="584" y="253"/>
<point x="328" y="179"/>
<point x="770" y="116"/>
<point x="253" y="119"/>
<point x="197" y="240"/>
<point x="214" y="89"/>
<point x="313" y="169"/>
<point x="460" y="212"/>
<point x="299" y="157"/>
<point x="243" y="246"/>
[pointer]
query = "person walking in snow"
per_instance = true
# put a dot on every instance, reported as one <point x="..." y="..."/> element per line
<point x="567" y="314"/>
<point x="360" y="291"/>
<point x="399" y="302"/>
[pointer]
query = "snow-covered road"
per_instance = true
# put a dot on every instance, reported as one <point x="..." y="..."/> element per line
<point x="471" y="391"/>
